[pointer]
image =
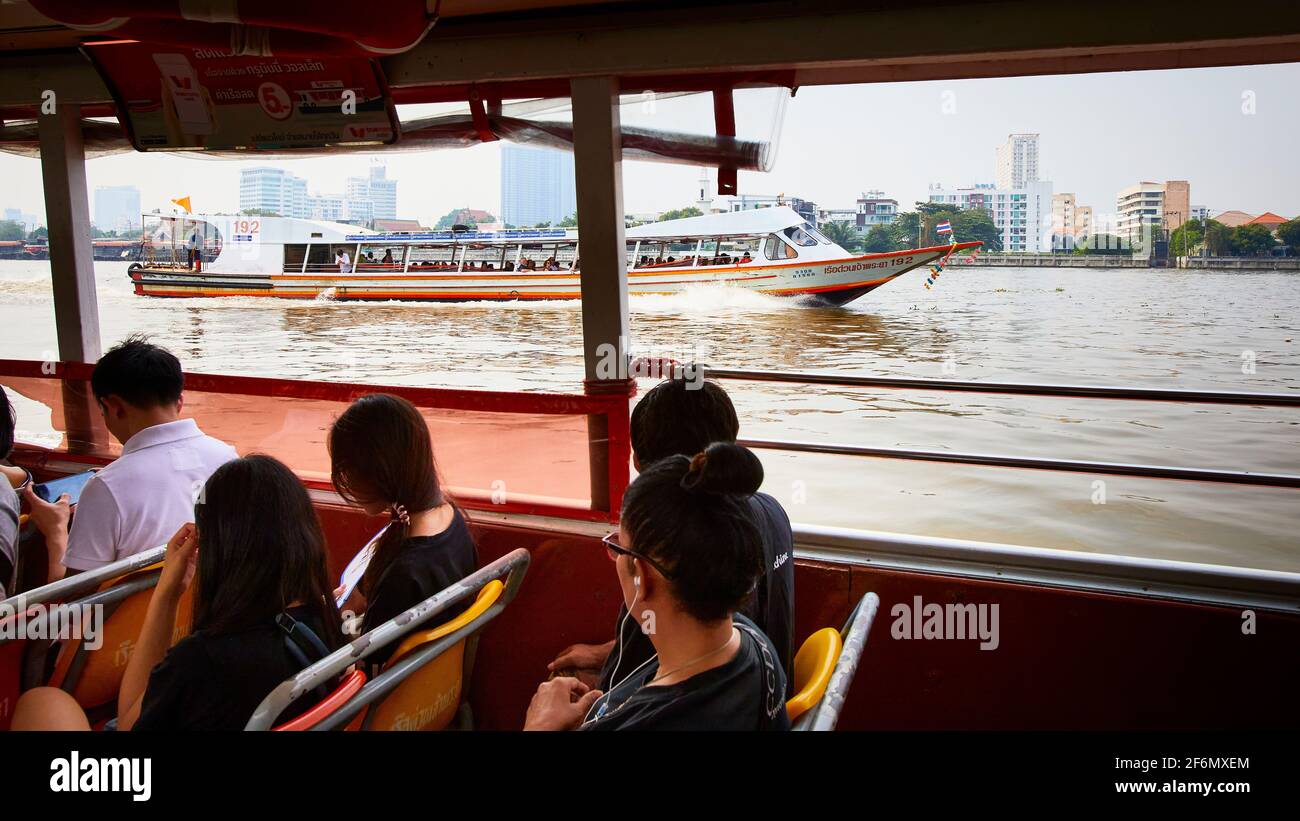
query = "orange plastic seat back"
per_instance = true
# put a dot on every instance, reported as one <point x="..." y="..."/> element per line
<point x="813" y="666"/>
<point x="94" y="676"/>
<point x="429" y="697"/>
<point x="347" y="688"/>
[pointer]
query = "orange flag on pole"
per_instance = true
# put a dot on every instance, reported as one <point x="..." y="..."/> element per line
<point x="183" y="202"/>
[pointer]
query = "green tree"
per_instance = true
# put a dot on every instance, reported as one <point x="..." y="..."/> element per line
<point x="1187" y="239"/>
<point x="38" y="234"/>
<point x="570" y="221"/>
<point x="879" y="240"/>
<point x="1289" y="233"/>
<point x="842" y="234"/>
<point x="681" y="213"/>
<point x="11" y="231"/>
<point x="906" y="228"/>
<point x="1252" y="240"/>
<point x="976" y="224"/>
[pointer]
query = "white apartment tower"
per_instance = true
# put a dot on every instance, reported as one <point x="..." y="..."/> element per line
<point x="1017" y="161"/>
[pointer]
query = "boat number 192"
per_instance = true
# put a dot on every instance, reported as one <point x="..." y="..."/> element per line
<point x="247" y="226"/>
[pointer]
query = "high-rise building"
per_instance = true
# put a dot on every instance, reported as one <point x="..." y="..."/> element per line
<point x="1017" y="161"/>
<point x="276" y="191"/>
<point x="1023" y="216"/>
<point x="117" y="207"/>
<point x="536" y="186"/>
<point x="378" y="189"/>
<point x="273" y="190"/>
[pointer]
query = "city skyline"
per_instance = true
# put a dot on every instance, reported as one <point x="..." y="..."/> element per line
<point x="1225" y="130"/>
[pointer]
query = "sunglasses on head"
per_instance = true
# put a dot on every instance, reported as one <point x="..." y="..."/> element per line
<point x="614" y="550"/>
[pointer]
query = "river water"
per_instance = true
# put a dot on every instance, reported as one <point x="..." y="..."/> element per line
<point x="1232" y="331"/>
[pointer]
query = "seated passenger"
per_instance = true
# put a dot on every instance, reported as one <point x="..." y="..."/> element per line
<point x="388" y="257"/>
<point x="678" y="416"/>
<point x="746" y="258"/>
<point x="256" y="556"/>
<point x="381" y="459"/>
<point x="510" y="266"/>
<point x="140" y="499"/>
<point x="687" y="557"/>
<point x="12" y="478"/>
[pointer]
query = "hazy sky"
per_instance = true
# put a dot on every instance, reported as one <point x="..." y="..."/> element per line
<point x="1232" y="132"/>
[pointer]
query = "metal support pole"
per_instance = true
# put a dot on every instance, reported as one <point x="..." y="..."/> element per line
<point x="598" y="170"/>
<point x="67" y="213"/>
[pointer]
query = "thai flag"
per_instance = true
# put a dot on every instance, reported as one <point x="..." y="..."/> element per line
<point x="944" y="227"/>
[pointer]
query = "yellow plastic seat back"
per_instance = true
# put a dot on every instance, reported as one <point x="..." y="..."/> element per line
<point x="429" y="697"/>
<point x="93" y="677"/>
<point x="813" y="666"/>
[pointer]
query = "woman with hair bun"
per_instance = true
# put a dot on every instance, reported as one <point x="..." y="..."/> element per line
<point x="688" y="557"/>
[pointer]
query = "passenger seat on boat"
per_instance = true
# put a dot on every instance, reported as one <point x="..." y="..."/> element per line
<point x="422" y="685"/>
<point x="825" y="666"/>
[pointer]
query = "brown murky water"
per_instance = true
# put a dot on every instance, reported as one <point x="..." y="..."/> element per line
<point x="1156" y="328"/>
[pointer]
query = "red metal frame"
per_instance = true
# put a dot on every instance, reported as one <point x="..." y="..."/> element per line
<point x="609" y="401"/>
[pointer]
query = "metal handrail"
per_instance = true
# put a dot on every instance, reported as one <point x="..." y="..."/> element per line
<point x="1075" y="391"/>
<point x="824" y="715"/>
<point x="513" y="566"/>
<point x="1233" y="477"/>
<point x="1225" y="585"/>
<point x="69" y="586"/>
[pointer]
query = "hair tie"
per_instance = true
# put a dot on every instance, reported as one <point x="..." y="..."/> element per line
<point x="398" y="514"/>
<point x="698" y="461"/>
<point x="691" y="480"/>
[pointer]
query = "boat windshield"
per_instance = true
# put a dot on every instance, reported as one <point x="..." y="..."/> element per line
<point x="801" y="235"/>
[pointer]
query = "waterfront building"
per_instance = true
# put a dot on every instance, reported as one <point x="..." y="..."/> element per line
<point x="1023" y="216"/>
<point x="874" y="208"/>
<point x="747" y="202"/>
<point x="536" y="186"/>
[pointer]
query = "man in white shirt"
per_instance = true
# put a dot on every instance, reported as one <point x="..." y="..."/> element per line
<point x="139" y="500"/>
<point x="344" y="261"/>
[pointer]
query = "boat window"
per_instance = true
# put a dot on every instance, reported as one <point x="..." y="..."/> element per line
<point x="799" y="236"/>
<point x="320" y="258"/>
<point x="774" y="248"/>
<point x="294" y="255"/>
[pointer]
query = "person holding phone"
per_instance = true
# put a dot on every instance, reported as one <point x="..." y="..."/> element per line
<point x="262" y="611"/>
<point x="140" y="499"/>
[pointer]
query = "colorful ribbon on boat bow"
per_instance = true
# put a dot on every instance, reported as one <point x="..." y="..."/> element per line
<point x="944" y="227"/>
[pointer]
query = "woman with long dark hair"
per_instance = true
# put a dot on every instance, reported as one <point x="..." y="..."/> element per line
<point x="262" y="611"/>
<point x="381" y="459"/>
<point x="688" y="556"/>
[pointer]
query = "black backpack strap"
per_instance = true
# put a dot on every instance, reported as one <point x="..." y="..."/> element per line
<point x="771" y="697"/>
<point x="304" y="646"/>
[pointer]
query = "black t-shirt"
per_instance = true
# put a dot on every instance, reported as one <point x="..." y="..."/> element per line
<point x="771" y="609"/>
<point x="214" y="681"/>
<point x="425" y="565"/>
<point x="746" y="693"/>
